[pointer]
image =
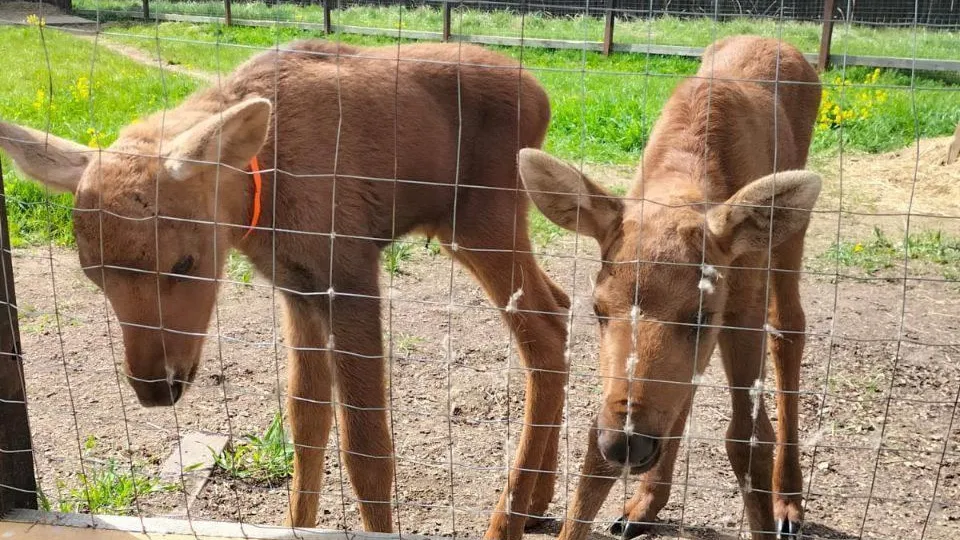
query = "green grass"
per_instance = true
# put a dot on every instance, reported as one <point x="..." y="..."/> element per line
<point x="106" y="487"/>
<point x="667" y="30"/>
<point x="394" y="255"/>
<point x="603" y="107"/>
<point x="94" y="93"/>
<point x="239" y="267"/>
<point x="932" y="250"/>
<point x="266" y="458"/>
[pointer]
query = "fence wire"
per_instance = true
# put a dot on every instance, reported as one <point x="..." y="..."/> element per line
<point x="879" y="437"/>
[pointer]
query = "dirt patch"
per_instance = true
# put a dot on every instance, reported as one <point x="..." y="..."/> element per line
<point x="880" y="379"/>
<point x="914" y="179"/>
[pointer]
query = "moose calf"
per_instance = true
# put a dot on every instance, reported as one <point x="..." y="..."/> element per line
<point x="310" y="160"/>
<point x="704" y="250"/>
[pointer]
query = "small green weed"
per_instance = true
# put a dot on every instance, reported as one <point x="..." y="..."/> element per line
<point x="107" y="487"/>
<point x="433" y="247"/>
<point x="407" y="343"/>
<point x="239" y="267"/>
<point x="267" y="459"/>
<point x="394" y="255"/>
<point x="880" y="252"/>
<point x="542" y="231"/>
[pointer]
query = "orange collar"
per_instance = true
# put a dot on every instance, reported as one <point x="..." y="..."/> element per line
<point x="257" y="189"/>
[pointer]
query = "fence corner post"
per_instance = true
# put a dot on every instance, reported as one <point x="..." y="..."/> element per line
<point x="18" y="487"/>
<point x="608" y="27"/>
<point x="823" y="61"/>
<point x="446" y="20"/>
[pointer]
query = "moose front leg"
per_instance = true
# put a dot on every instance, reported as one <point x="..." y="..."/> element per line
<point x="786" y="351"/>
<point x="309" y="406"/>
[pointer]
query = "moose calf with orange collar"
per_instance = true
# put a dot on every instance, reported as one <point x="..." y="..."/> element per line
<point x="361" y="146"/>
<point x="705" y="249"/>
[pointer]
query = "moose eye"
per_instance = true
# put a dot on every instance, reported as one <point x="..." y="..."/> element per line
<point x="601" y="314"/>
<point x="183" y="266"/>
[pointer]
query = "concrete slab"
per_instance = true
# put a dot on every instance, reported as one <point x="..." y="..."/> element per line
<point x="192" y="460"/>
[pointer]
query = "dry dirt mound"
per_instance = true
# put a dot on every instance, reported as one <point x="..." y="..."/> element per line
<point x="885" y="182"/>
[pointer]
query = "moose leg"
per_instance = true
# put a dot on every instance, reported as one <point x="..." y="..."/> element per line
<point x="357" y="344"/>
<point x="653" y="492"/>
<point x="749" y="435"/>
<point x="514" y="282"/>
<point x="786" y="315"/>
<point x="596" y="479"/>
<point x="308" y="403"/>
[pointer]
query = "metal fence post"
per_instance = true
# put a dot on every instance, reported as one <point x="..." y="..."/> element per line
<point x="826" y="37"/>
<point x="18" y="487"/>
<point x="608" y="27"/>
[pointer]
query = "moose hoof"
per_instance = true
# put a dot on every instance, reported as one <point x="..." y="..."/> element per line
<point x="787" y="529"/>
<point x="628" y="529"/>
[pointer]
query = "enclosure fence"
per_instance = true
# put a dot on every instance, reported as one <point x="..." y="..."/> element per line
<point x="879" y="390"/>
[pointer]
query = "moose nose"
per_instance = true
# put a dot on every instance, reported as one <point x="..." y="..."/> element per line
<point x="635" y="450"/>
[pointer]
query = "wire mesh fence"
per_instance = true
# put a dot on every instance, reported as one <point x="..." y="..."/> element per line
<point x="361" y="151"/>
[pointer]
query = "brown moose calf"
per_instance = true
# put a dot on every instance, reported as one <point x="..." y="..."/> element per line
<point x="355" y="147"/>
<point x="705" y="249"/>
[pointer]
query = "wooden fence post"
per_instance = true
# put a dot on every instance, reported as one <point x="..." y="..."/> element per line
<point x="18" y="487"/>
<point x="327" y="27"/>
<point x="446" y="21"/>
<point x="826" y="37"/>
<point x="146" y="9"/>
<point x="608" y="28"/>
<point x="227" y="16"/>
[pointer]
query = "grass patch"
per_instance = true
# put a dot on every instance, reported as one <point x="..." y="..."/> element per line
<point x="239" y="267"/>
<point x="266" y="458"/>
<point x="394" y="255"/>
<point x="931" y="249"/>
<point x="665" y="30"/>
<point x="543" y="232"/>
<point x="604" y="107"/>
<point x="85" y="95"/>
<point x="106" y="487"/>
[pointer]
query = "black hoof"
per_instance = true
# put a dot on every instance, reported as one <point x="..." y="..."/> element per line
<point x="628" y="529"/>
<point x="539" y="524"/>
<point x="787" y="529"/>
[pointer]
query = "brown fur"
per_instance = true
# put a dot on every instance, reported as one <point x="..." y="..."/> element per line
<point x="719" y="133"/>
<point x="436" y="115"/>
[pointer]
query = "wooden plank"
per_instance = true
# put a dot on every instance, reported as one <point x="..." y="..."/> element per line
<point x="826" y="36"/>
<point x="18" y="487"/>
<point x="191" y="529"/>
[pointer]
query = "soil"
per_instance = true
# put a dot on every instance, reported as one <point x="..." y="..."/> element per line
<point x="880" y="383"/>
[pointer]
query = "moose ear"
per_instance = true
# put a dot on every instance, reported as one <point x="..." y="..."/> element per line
<point x="57" y="163"/>
<point x="567" y="197"/>
<point x="231" y="137"/>
<point x="765" y="212"/>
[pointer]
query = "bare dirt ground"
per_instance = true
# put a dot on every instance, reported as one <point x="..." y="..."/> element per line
<point x="880" y="382"/>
